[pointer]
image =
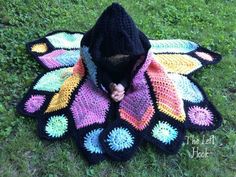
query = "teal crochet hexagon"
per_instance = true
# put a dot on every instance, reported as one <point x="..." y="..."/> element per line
<point x="51" y="81"/>
<point x="164" y="132"/>
<point x="57" y="126"/>
<point x="119" y="139"/>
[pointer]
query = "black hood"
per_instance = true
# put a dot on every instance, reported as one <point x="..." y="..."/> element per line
<point x="115" y="33"/>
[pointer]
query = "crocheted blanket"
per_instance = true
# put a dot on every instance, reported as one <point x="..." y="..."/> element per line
<point x="161" y="104"/>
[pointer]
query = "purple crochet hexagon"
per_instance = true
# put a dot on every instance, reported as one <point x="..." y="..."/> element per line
<point x="34" y="103"/>
<point x="90" y="105"/>
<point x="200" y="116"/>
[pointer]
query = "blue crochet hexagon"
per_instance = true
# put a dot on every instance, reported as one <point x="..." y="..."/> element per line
<point x="91" y="141"/>
<point x="119" y="139"/>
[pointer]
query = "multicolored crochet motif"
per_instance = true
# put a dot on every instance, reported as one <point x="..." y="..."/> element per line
<point x="61" y="99"/>
<point x="187" y="89"/>
<point x="161" y="103"/>
<point x="182" y="64"/>
<point x="173" y="46"/>
<point x="58" y="58"/>
<point x="90" y="105"/>
<point x="204" y="56"/>
<point x="65" y="40"/>
<point x="45" y="83"/>
<point x="200" y="116"/>
<point x="140" y="112"/>
<point x="168" y="99"/>
<point x="39" y="48"/>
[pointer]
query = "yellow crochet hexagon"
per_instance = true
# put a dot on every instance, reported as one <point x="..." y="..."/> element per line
<point x="39" y="48"/>
<point x="178" y="63"/>
<point x="61" y="99"/>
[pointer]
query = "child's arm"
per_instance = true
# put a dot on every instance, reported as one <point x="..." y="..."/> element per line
<point x="126" y="81"/>
<point x="106" y="81"/>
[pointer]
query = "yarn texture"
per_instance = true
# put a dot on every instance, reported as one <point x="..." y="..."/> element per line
<point x="161" y="101"/>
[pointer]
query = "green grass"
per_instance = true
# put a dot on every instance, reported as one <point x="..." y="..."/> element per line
<point x="210" y="23"/>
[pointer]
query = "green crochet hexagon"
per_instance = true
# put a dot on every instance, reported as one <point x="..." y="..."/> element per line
<point x="57" y="126"/>
<point x="51" y="81"/>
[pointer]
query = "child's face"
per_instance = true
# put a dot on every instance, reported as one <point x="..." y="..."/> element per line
<point x="117" y="58"/>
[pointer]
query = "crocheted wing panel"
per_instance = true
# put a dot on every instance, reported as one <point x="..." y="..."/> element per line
<point x="62" y="48"/>
<point x="48" y="98"/>
<point x="179" y="105"/>
<point x="89" y="106"/>
<point x="57" y="49"/>
<point x="180" y="98"/>
<point x="90" y="110"/>
<point x="137" y="107"/>
<point x="159" y="107"/>
<point x="167" y="98"/>
<point x="69" y="105"/>
<point x="182" y="56"/>
<point x="201" y="114"/>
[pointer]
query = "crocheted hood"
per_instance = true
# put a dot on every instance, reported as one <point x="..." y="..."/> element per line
<point x="114" y="33"/>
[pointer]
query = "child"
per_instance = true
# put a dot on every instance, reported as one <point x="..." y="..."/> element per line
<point x="115" y="44"/>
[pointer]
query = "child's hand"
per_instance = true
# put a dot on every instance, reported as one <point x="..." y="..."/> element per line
<point x="118" y="91"/>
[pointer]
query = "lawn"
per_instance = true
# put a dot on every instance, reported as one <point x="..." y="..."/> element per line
<point x="208" y="22"/>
